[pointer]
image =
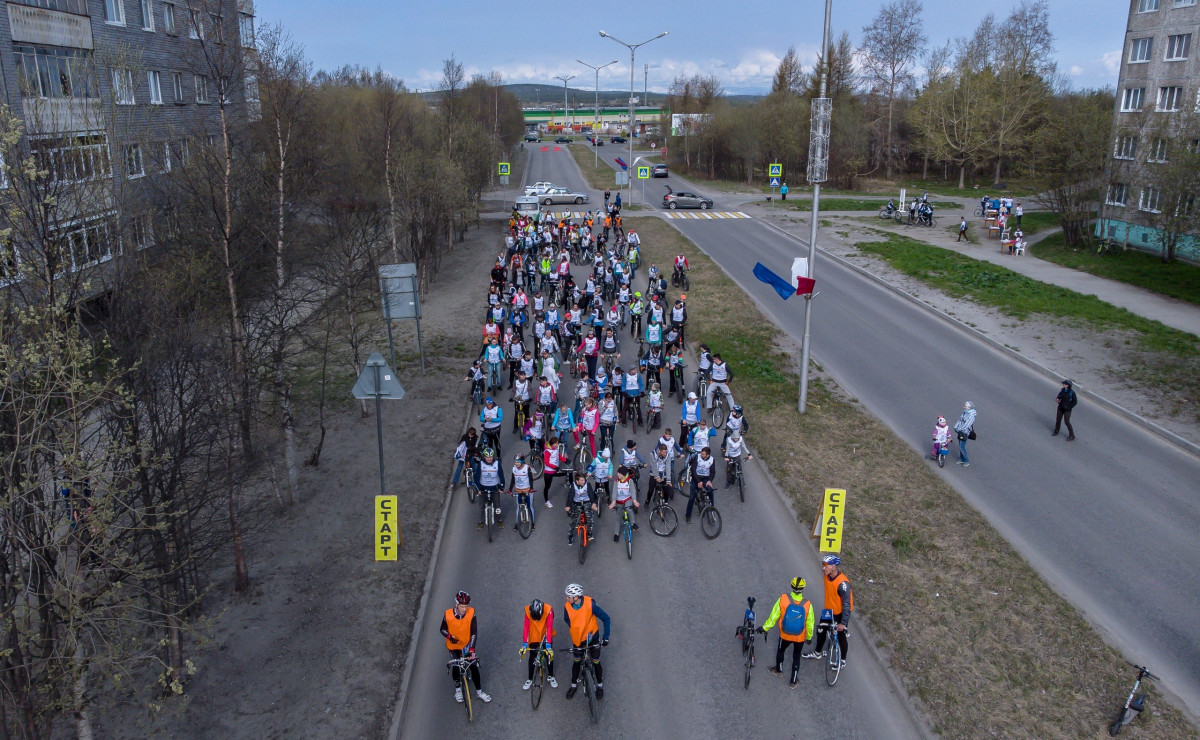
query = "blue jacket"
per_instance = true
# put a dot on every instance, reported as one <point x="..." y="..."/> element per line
<point x="596" y="610"/>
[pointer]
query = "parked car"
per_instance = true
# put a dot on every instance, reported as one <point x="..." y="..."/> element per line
<point x="686" y="200"/>
<point x="538" y="188"/>
<point x="532" y="137"/>
<point x="562" y="195"/>
<point x="618" y="140"/>
<point x="659" y="170"/>
<point x="562" y="140"/>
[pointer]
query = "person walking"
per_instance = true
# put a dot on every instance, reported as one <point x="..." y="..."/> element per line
<point x="794" y="613"/>
<point x="1018" y="213"/>
<point x="783" y="191"/>
<point x="1066" y="401"/>
<point x="965" y="428"/>
<point x="962" y="229"/>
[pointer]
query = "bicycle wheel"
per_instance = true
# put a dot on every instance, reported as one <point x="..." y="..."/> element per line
<point x="687" y="284"/>
<point x="583" y="546"/>
<point x="524" y="521"/>
<point x="663" y="520"/>
<point x="539" y="679"/>
<point x="536" y="465"/>
<point x="466" y="689"/>
<point x="833" y="667"/>
<point x="749" y="667"/>
<point x="719" y="412"/>
<point x="628" y="537"/>
<point x="741" y="480"/>
<point x="589" y="686"/>
<point x="710" y="522"/>
<point x="489" y="516"/>
<point x="477" y="396"/>
<point x="471" y="491"/>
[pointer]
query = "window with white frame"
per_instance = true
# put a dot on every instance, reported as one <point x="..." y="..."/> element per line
<point x="1125" y="148"/>
<point x="1116" y="194"/>
<point x="1169" y="99"/>
<point x="250" y="86"/>
<point x="134" y="166"/>
<point x="1158" y="151"/>
<point x="144" y="6"/>
<point x="1147" y="6"/>
<point x="210" y="140"/>
<point x="1148" y="200"/>
<point x="201" y="89"/>
<point x="177" y="85"/>
<point x="1131" y="99"/>
<point x="246" y="29"/>
<point x="140" y="231"/>
<point x="195" y="25"/>
<point x="155" y="81"/>
<point x="114" y="12"/>
<point x="169" y="24"/>
<point x="68" y="159"/>
<point x="1184" y="3"/>
<point x="166" y="161"/>
<point x="50" y="72"/>
<point x="1139" y="50"/>
<point x="89" y="242"/>
<point x="123" y="86"/>
<point x="1179" y="47"/>
<point x="184" y="148"/>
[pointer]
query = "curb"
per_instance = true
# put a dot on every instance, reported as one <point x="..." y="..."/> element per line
<point x="398" y="709"/>
<point x="1099" y="400"/>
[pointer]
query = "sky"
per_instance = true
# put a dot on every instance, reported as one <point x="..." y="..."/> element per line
<point x="740" y="43"/>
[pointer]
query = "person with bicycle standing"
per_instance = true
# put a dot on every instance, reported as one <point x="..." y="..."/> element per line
<point x="521" y="400"/>
<point x="654" y="333"/>
<point x="653" y="361"/>
<point x="553" y="458"/>
<point x="681" y="267"/>
<point x="608" y="418"/>
<point x="633" y="389"/>
<point x="521" y="485"/>
<point x="679" y="316"/>
<point x="839" y="599"/>
<point x="733" y="456"/>
<point x="601" y="470"/>
<point x="589" y="422"/>
<point x="675" y="362"/>
<point x="464" y="454"/>
<point x="459" y="630"/>
<point x="794" y="613"/>
<point x="703" y="468"/>
<point x="735" y="424"/>
<point x="689" y="416"/>
<point x="491" y="416"/>
<point x="580" y="613"/>
<point x="489" y="476"/>
<point x="589" y="347"/>
<point x="637" y="307"/>
<point x="581" y="498"/>
<point x="720" y="375"/>
<point x="662" y="471"/>
<point x="493" y="355"/>
<point x="538" y="630"/>
<point x="625" y="497"/>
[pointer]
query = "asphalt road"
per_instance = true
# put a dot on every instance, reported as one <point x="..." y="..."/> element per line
<point x="673" y="668"/>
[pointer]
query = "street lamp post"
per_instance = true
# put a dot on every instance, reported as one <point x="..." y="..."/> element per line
<point x="596" y="120"/>
<point x="565" y="79"/>
<point x="632" y="68"/>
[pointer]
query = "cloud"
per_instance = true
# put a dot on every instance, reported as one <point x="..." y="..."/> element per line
<point x="1076" y="70"/>
<point x="1111" y="61"/>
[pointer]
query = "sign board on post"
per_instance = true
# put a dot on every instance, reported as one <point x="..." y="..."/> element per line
<point x="663" y="151"/>
<point x="622" y="177"/>
<point x="833" y="517"/>
<point x="775" y="170"/>
<point x="774" y="182"/>
<point x="505" y="169"/>
<point x="643" y="172"/>
<point x="386" y="527"/>
<point x="398" y="285"/>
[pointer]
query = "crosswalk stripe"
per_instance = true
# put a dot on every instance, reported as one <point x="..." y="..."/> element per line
<point x="707" y="215"/>
<point x="742" y="215"/>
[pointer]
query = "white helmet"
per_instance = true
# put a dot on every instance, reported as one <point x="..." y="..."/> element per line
<point x="574" y="590"/>
<point x="736" y="436"/>
<point x="692" y="396"/>
<point x="941" y="420"/>
<point x="605" y="453"/>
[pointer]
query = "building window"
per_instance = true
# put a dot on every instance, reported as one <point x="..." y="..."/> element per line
<point x="246" y="29"/>
<point x="155" y="80"/>
<point x="1193" y="146"/>
<point x="123" y="86"/>
<point x="73" y="158"/>
<point x="1146" y="6"/>
<point x="54" y="73"/>
<point x="134" y="167"/>
<point x="1178" y="47"/>
<point x="195" y="25"/>
<point x="210" y="141"/>
<point x="201" y="89"/>
<point x="1184" y="3"/>
<point x="79" y="7"/>
<point x="114" y="12"/>
<point x="251" y="88"/>
<point x="1158" y="151"/>
<point x="1116" y="194"/>
<point x="89" y="243"/>
<point x="1125" y="148"/>
<point x="147" y="13"/>
<point x="169" y="18"/>
<point x="177" y="87"/>
<point x="1148" y="200"/>
<point x="166" y="162"/>
<point x="185" y="152"/>
<point x="1169" y="99"/>
<point x="1139" y="50"/>
<point x="1132" y="99"/>
<point x="141" y="232"/>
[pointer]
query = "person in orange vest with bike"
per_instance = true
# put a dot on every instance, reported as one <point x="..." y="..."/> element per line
<point x="839" y="600"/>
<point x="796" y="625"/>
<point x="539" y="628"/>
<point x="458" y="627"/>
<point x="580" y="613"/>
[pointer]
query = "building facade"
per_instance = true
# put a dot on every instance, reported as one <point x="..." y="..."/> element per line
<point x="1155" y="128"/>
<point x="111" y="95"/>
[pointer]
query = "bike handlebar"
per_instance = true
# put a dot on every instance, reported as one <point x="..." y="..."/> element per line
<point x="1144" y="670"/>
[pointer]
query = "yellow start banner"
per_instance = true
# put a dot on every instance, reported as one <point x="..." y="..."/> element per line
<point x="387" y="526"/>
<point x="833" y="516"/>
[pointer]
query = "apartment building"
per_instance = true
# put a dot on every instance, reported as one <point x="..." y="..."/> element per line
<point x="113" y="94"/>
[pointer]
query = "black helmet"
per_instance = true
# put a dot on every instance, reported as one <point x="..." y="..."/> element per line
<point x="535" y="608"/>
<point x="462" y="597"/>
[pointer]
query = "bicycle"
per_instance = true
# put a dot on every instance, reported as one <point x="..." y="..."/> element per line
<point x="463" y="664"/>
<point x="710" y="518"/>
<point x="745" y="634"/>
<point x="627" y="532"/>
<point x="490" y="510"/>
<point x="1106" y="246"/>
<point x="633" y="409"/>
<point x="477" y="391"/>
<point x="977" y="212"/>
<point x="886" y="213"/>
<point x="472" y="486"/>
<point x="677" y="374"/>
<point x="663" y="519"/>
<point x="701" y="385"/>
<point x="588" y="675"/>
<point x="1134" y="704"/>
<point x="581" y="533"/>
<point x="738" y="477"/>
<point x="582" y="456"/>
<point x="833" y="654"/>
<point x="524" y="515"/>
<point x="720" y="410"/>
<point x="543" y="656"/>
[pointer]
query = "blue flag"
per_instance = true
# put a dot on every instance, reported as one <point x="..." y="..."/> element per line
<point x="785" y="289"/>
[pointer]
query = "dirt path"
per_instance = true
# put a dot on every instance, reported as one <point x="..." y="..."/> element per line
<point x="316" y="649"/>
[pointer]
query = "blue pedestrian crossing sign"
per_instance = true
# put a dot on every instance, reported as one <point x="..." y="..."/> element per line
<point x="504" y="169"/>
<point x="775" y="170"/>
<point x="774" y="182"/>
<point x="643" y="172"/>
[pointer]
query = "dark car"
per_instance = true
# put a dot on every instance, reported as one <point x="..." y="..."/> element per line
<point x="659" y="170"/>
<point x="562" y="140"/>
<point x="686" y="200"/>
<point x="618" y="140"/>
<point x="532" y="137"/>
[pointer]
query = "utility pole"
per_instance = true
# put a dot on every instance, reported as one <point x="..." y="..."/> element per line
<point x="632" y="68"/>
<point x="596" y="122"/>
<point x="565" y="79"/>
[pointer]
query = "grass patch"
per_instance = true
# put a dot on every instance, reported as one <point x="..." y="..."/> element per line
<point x="1018" y="296"/>
<point x="1173" y="279"/>
<point x="847" y="204"/>
<point x="928" y="571"/>
<point x="1032" y="223"/>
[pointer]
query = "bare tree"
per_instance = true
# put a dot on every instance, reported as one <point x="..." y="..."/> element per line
<point x="891" y="44"/>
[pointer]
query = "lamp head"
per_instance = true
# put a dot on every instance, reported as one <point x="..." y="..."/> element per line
<point x="603" y="34"/>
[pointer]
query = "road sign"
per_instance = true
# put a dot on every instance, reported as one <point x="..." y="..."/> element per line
<point x="774" y="182"/>
<point x="386" y="527"/>
<point x="775" y="170"/>
<point x="505" y="168"/>
<point x="388" y="386"/>
<point x="833" y="515"/>
<point x="643" y="172"/>
<point x="622" y="177"/>
<point x="663" y="151"/>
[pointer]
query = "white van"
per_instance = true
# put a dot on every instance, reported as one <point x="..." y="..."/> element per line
<point x="527" y="205"/>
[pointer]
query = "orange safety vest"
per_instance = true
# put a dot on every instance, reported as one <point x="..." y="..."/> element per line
<point x="618" y="220"/>
<point x="583" y="621"/>
<point x="607" y="222"/>
<point x="537" y="627"/>
<point x="459" y="629"/>
<point x="833" y="599"/>
<point x="784" y="601"/>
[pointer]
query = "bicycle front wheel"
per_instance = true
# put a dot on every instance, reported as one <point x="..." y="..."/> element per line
<point x="466" y="689"/>
<point x="749" y="666"/>
<point x="710" y="522"/>
<point x="663" y="520"/>
<point x="539" y="680"/>
<point x="718" y="414"/>
<point x="833" y="668"/>
<point x="589" y="685"/>
<point x="471" y="492"/>
<point x="628" y="540"/>
<point x="583" y="548"/>
<point x="524" y="522"/>
<point x="536" y="464"/>
<point x="490" y="518"/>
<point x="741" y="485"/>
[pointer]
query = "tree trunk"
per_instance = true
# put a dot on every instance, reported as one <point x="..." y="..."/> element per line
<point x="282" y="388"/>
<point x="83" y="718"/>
<point x="925" y="167"/>
<point x="962" y="175"/>
<point x="241" y="574"/>
<point x="391" y="194"/>
<point x="888" y="153"/>
<point x="237" y="330"/>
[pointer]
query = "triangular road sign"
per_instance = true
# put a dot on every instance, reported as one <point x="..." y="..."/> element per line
<point x="389" y="386"/>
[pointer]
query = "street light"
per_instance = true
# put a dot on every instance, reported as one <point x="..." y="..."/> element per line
<point x="565" y="79"/>
<point x="596" y="120"/>
<point x="632" y="67"/>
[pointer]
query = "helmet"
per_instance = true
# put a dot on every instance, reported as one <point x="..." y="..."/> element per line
<point x="574" y="590"/>
<point x="831" y="560"/>
<point x="941" y="420"/>
<point x="535" y="608"/>
<point x="798" y="584"/>
<point x="487" y="452"/>
<point x="489" y="400"/>
<point x="637" y="294"/>
<point x="519" y="458"/>
<point x="462" y="597"/>
<point x="692" y="396"/>
<point x="737" y="407"/>
<point x="683" y="296"/>
<point x="605" y="453"/>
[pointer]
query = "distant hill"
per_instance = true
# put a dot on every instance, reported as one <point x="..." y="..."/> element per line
<point x="532" y="94"/>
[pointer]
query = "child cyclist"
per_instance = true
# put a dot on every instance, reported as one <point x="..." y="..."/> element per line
<point x="521" y="484"/>
<point x="580" y="498"/>
<point x="538" y="629"/>
<point x="941" y="437"/>
<point x="625" y="497"/>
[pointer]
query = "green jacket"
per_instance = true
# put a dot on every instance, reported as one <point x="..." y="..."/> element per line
<point x="810" y="622"/>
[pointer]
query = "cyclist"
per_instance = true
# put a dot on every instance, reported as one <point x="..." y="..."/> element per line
<point x="719" y="376"/>
<point x="535" y="433"/>
<point x="580" y="613"/>
<point x="678" y="315"/>
<point x="520" y="398"/>
<point x="795" y="616"/>
<point x="563" y="423"/>
<point x="608" y="419"/>
<point x="839" y="600"/>
<point x="652" y="277"/>
<point x="633" y="389"/>
<point x="601" y="470"/>
<point x="521" y="484"/>
<point x="489" y="476"/>
<point x="583" y="391"/>
<point x="610" y="344"/>
<point x="493" y="355"/>
<point x="733" y="453"/>
<point x="580" y="497"/>
<point x="458" y="627"/>
<point x="681" y="266"/>
<point x="689" y="415"/>
<point x="545" y="396"/>
<point x="654" y="402"/>
<point x="662" y="471"/>
<point x="589" y="422"/>
<point x="633" y="460"/>
<point x="589" y="347"/>
<point x="699" y="437"/>
<point x="941" y="436"/>
<point x="654" y="332"/>
<point x="636" y="308"/>
<point x="475" y="376"/>
<point x="464" y="454"/>
<point x="612" y="319"/>
<point x="624" y="496"/>
<point x="491" y="417"/>
<point x="735" y="423"/>
<point x="703" y="468"/>
<point x="539" y="628"/>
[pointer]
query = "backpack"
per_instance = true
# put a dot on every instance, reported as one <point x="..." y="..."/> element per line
<point x="794" y="620"/>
